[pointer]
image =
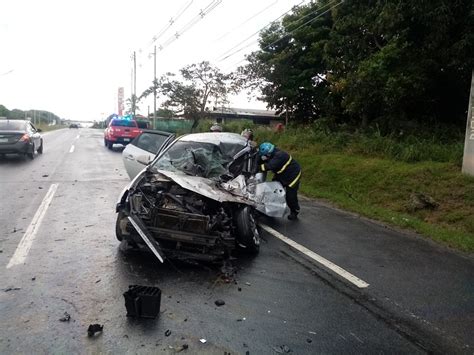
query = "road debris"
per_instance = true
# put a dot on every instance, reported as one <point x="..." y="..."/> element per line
<point x="142" y="301"/>
<point x="248" y="283"/>
<point x="8" y="289"/>
<point x="239" y="289"/>
<point x="98" y="281"/>
<point x="309" y="341"/>
<point x="33" y="278"/>
<point x="94" y="328"/>
<point x="14" y="230"/>
<point x="204" y="341"/>
<point x="40" y="188"/>
<point x="182" y="347"/>
<point x="65" y="318"/>
<point x="45" y="175"/>
<point x="168" y="333"/>
<point x="421" y="201"/>
<point x="241" y="319"/>
<point x="282" y="349"/>
<point x="219" y="303"/>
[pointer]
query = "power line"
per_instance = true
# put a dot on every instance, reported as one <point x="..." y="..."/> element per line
<point x="256" y="33"/>
<point x="212" y="5"/>
<point x="243" y="23"/>
<point x="202" y="13"/>
<point x="172" y="21"/>
<point x="286" y="35"/>
<point x="8" y="72"/>
<point x="256" y="41"/>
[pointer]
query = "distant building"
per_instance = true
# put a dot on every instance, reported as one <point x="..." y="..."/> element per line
<point x="233" y="113"/>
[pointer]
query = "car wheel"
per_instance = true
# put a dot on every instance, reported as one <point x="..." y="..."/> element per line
<point x="105" y="142"/>
<point x="31" y="154"/>
<point x="40" y="149"/>
<point x="247" y="230"/>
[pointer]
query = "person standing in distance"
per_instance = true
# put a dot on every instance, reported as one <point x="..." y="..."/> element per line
<point x="287" y="171"/>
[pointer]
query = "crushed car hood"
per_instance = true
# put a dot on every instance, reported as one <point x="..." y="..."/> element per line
<point x="266" y="197"/>
<point x="205" y="187"/>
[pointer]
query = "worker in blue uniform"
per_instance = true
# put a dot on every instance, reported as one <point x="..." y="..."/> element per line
<point x="287" y="171"/>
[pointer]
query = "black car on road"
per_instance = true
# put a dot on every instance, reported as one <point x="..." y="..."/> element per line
<point x="20" y="137"/>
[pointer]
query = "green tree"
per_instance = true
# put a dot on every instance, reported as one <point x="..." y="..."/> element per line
<point x="289" y="69"/>
<point x="368" y="61"/>
<point x="402" y="60"/>
<point x="132" y="105"/>
<point x="191" y="94"/>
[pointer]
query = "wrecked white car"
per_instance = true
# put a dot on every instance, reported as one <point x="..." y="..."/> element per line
<point x="198" y="199"/>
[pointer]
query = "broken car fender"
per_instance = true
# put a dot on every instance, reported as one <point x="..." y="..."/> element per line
<point x="124" y="194"/>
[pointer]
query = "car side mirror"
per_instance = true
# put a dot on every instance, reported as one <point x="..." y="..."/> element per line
<point x="143" y="159"/>
<point x="39" y="130"/>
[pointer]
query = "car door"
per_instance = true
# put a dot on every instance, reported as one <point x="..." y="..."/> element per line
<point x="147" y="144"/>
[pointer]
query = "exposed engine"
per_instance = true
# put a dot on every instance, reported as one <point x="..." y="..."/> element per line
<point x="183" y="220"/>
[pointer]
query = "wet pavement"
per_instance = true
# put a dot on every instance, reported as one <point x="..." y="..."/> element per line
<point x="274" y="303"/>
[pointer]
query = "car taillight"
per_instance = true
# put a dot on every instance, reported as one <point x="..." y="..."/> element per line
<point x="25" y="138"/>
<point x="136" y="131"/>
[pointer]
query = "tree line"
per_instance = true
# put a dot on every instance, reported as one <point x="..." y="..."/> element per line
<point x="390" y="63"/>
<point x="40" y="116"/>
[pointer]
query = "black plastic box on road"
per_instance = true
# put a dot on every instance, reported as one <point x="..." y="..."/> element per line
<point x="142" y="301"/>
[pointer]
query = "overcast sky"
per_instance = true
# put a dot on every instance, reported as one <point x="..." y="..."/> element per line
<point x="70" y="57"/>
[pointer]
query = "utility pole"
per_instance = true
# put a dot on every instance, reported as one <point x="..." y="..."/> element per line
<point x="154" y="88"/>
<point x="134" y="83"/>
<point x="468" y="158"/>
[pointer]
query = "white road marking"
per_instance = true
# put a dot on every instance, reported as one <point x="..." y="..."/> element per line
<point x="72" y="149"/>
<point x="326" y="263"/>
<point x="78" y="136"/>
<point x="28" y="238"/>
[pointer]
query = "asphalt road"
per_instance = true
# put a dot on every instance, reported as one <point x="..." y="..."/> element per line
<point x="279" y="301"/>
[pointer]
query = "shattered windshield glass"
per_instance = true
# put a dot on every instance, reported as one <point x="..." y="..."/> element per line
<point x="206" y="160"/>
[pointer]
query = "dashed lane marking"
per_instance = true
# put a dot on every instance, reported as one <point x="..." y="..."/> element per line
<point x="28" y="238"/>
<point x="72" y="149"/>
<point x="318" y="258"/>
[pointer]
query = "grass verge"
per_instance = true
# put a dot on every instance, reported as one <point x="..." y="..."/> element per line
<point x="376" y="176"/>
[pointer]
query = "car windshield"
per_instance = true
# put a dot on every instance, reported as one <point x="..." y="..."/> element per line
<point x="12" y="125"/>
<point x="195" y="158"/>
<point x="123" y="123"/>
